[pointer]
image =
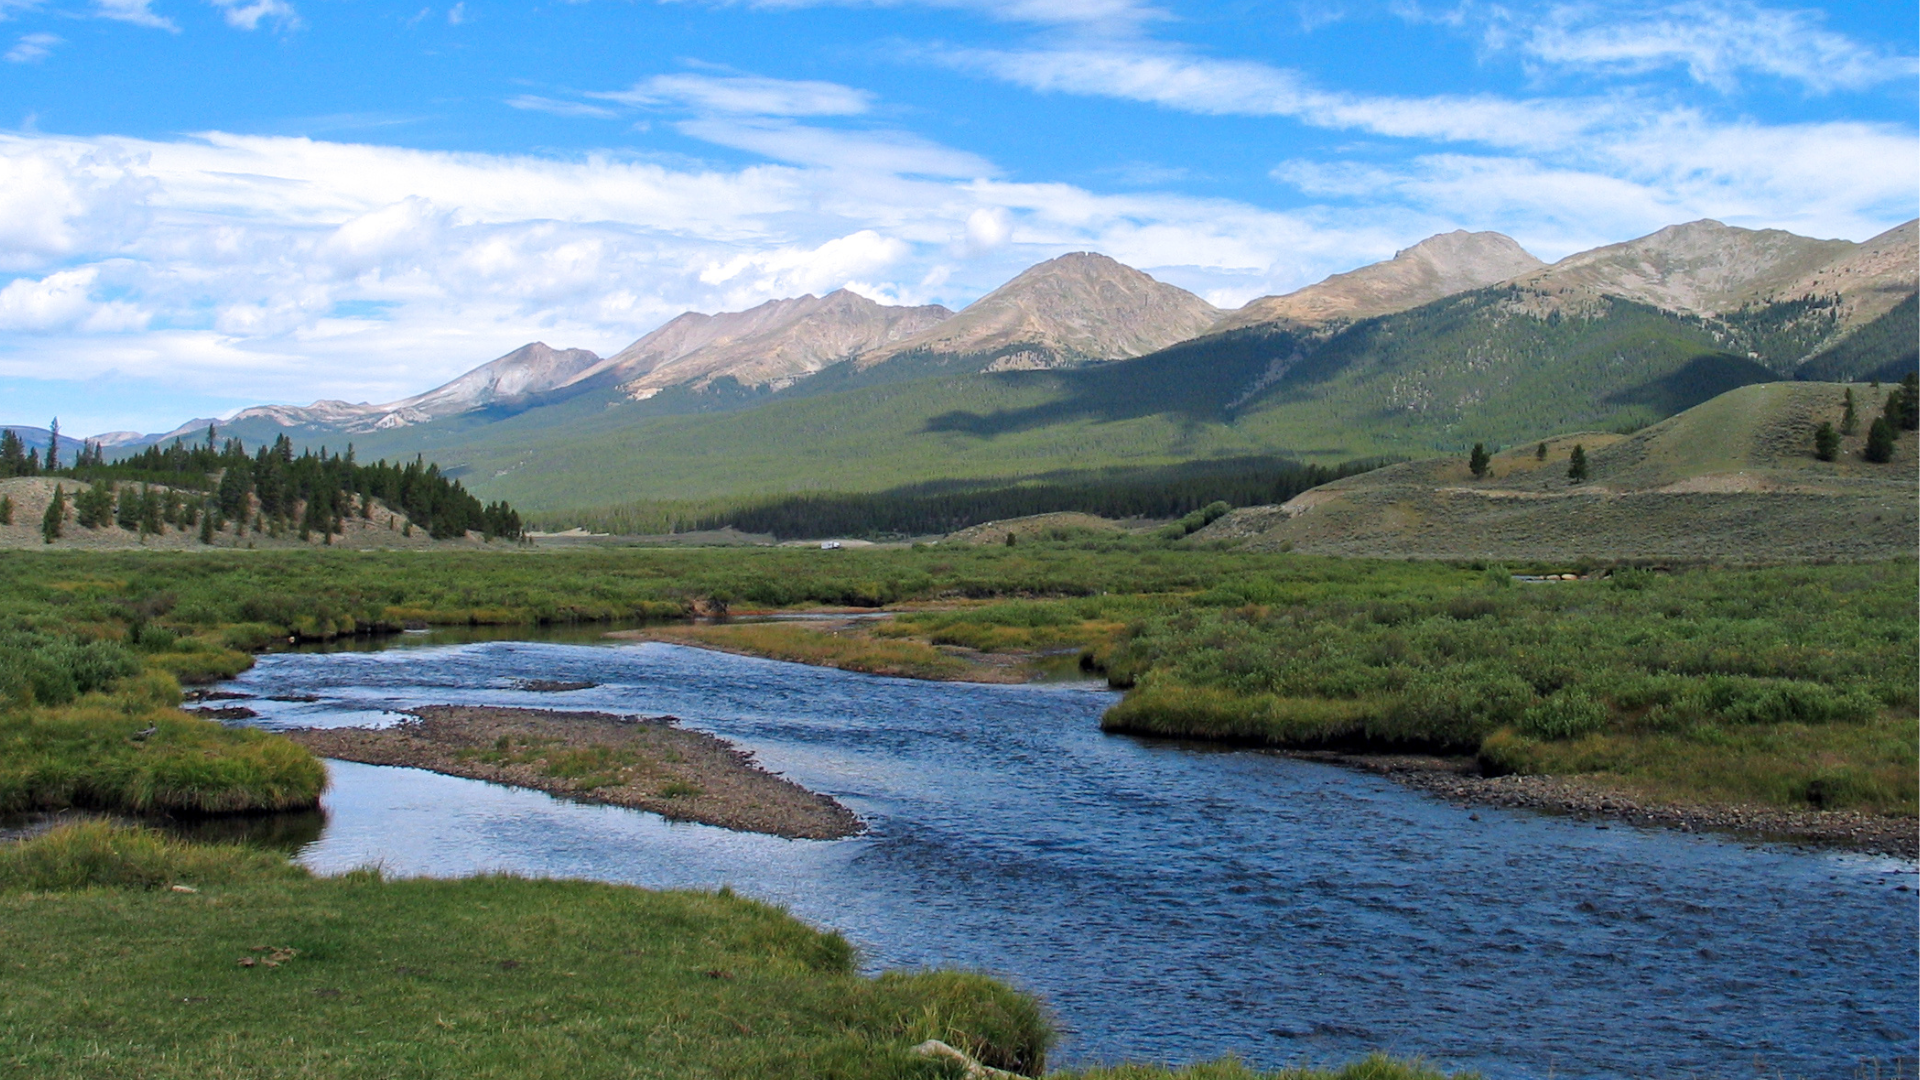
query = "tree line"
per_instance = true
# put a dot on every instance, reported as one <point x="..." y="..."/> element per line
<point x="927" y="509"/>
<point x="271" y="490"/>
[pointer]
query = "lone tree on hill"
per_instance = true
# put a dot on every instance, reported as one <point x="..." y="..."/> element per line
<point x="1879" y="442"/>
<point x="1826" y="442"/>
<point x="1540" y="452"/>
<point x="1479" y="460"/>
<point x="1577" y="464"/>
<point x="56" y="513"/>
<point x="1849" y="420"/>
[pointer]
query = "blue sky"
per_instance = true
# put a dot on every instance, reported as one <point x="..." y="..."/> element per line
<point x="206" y="204"/>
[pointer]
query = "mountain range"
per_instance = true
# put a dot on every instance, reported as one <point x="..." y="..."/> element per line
<point x="1081" y="362"/>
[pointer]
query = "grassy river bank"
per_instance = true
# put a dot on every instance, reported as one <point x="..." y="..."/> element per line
<point x="1789" y="687"/>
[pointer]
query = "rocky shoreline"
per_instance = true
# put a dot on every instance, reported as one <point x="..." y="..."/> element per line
<point x="639" y="762"/>
<point x="1458" y="780"/>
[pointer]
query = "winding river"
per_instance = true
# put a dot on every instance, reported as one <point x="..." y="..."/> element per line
<point x="1170" y="902"/>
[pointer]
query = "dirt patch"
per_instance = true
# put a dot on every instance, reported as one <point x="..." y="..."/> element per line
<point x="643" y="763"/>
<point x="1458" y="780"/>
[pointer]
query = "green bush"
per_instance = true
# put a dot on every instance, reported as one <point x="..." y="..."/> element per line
<point x="1568" y="714"/>
<point x="102" y="855"/>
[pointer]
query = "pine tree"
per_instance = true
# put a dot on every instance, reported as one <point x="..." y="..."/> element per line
<point x="1577" y="464"/>
<point x="206" y="524"/>
<point x="127" y="507"/>
<point x="1478" y="461"/>
<point x="13" y="454"/>
<point x="1879" y="442"/>
<point x="1540" y="452"/>
<point x="1849" y="420"/>
<point x="1826" y="442"/>
<point x="53" y="446"/>
<point x="1909" y="418"/>
<point x="56" y="513"/>
<point x="6" y="509"/>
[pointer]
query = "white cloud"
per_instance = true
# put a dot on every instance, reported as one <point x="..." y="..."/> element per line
<point x="744" y="95"/>
<point x="535" y="103"/>
<point x="828" y="148"/>
<point x="1096" y="15"/>
<point x="988" y="228"/>
<point x="1714" y="40"/>
<point x="457" y="14"/>
<point x="1187" y="83"/>
<point x="32" y="48"/>
<point x="65" y="301"/>
<point x="794" y="270"/>
<point x="137" y="12"/>
<point x="248" y="14"/>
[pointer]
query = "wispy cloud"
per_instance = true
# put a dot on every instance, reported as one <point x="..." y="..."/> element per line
<point x="1714" y="41"/>
<point x="892" y="152"/>
<point x="32" y="48"/>
<point x="249" y="14"/>
<point x="535" y="103"/>
<point x="744" y="95"/>
<point x="1196" y="84"/>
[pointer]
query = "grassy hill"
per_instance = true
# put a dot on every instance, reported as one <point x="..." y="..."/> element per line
<point x="1731" y="479"/>
<point x="1500" y="365"/>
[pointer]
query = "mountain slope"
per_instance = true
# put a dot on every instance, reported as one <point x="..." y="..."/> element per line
<point x="529" y="370"/>
<point x="1700" y="268"/>
<point x="1436" y="267"/>
<point x="776" y="344"/>
<point x="1082" y="306"/>
<point x="1732" y="479"/>
<point x="1872" y="279"/>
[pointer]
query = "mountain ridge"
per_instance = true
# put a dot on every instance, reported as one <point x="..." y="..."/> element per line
<point x="1437" y="267"/>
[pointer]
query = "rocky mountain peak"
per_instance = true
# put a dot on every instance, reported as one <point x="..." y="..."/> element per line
<point x="1701" y="267"/>
<point x="1079" y="306"/>
<point x="1436" y="267"/>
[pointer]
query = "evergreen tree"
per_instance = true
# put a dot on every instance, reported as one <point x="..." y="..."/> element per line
<point x="1849" y="420"/>
<point x="206" y="524"/>
<point x="1540" y="452"/>
<point x="1909" y="418"/>
<point x="6" y="509"/>
<point x="56" y="513"/>
<point x="33" y="463"/>
<point x="93" y="508"/>
<point x="1577" y="464"/>
<point x="126" y="511"/>
<point x="1826" y="442"/>
<point x="1478" y="461"/>
<point x="13" y="454"/>
<point x="1879" y="442"/>
<point x="53" y="446"/>
<point x="150" y="512"/>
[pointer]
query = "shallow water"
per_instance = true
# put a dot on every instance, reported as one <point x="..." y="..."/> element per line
<point x="1171" y="902"/>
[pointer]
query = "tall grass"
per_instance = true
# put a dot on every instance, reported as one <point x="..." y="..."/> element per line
<point x="498" y="977"/>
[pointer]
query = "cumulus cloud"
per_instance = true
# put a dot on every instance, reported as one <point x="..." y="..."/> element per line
<point x="65" y="301"/>
<point x="744" y="95"/>
<point x="249" y="14"/>
<point x="988" y="228"/>
<point x="32" y="48"/>
<point x="794" y="270"/>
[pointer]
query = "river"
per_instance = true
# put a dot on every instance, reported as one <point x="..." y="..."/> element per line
<point x="1171" y="902"/>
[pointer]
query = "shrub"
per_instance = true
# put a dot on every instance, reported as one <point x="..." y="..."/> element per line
<point x="96" y="854"/>
<point x="1567" y="714"/>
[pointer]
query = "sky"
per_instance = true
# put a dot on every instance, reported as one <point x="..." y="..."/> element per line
<point x="209" y="204"/>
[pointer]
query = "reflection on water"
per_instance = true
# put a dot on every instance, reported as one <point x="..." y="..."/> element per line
<point x="291" y="832"/>
<point x="1170" y="902"/>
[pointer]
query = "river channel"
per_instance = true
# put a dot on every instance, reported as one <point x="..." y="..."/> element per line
<point x="1170" y="902"/>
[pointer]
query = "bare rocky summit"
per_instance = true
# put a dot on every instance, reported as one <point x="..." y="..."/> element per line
<point x="526" y="371"/>
<point x="775" y="344"/>
<point x="1436" y="267"/>
<point x="1082" y="306"/>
